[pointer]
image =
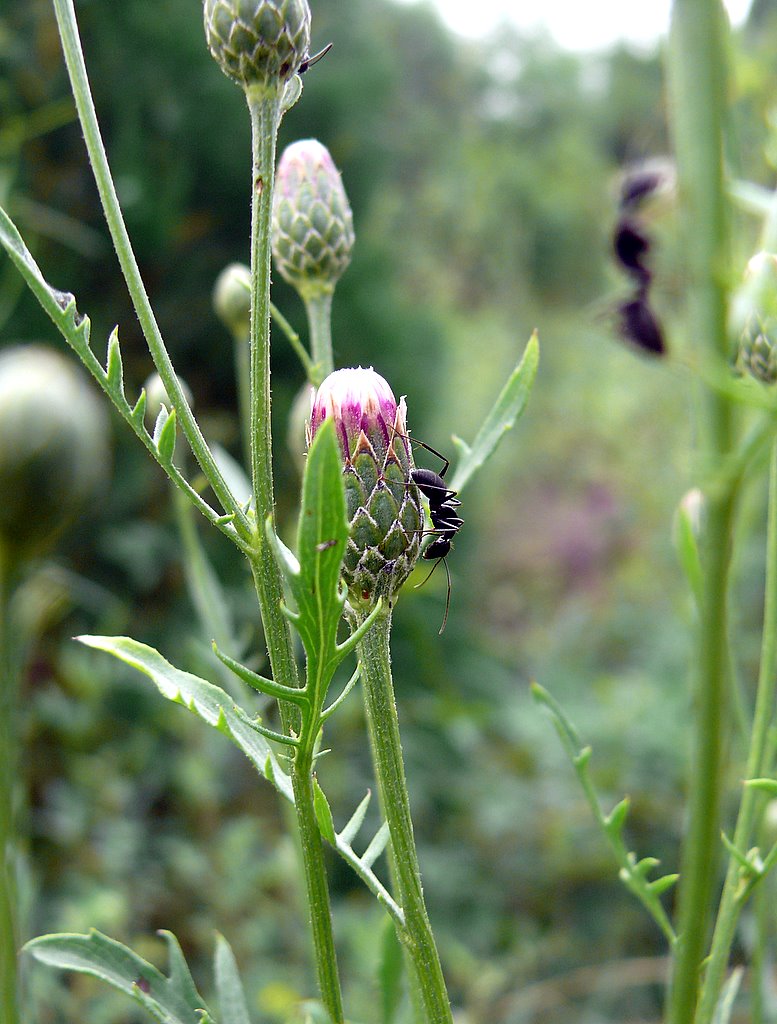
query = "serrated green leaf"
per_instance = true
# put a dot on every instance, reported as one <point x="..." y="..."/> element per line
<point x="165" y="439"/>
<point x="180" y="975"/>
<point x="390" y="974"/>
<point x="172" y="1000"/>
<point x="206" y="700"/>
<point x="323" y="813"/>
<point x="229" y="988"/>
<point x="114" y="368"/>
<point x="502" y="417"/>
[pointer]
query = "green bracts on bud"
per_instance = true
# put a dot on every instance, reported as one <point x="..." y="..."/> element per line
<point x="312" y="226"/>
<point x="232" y="298"/>
<point x="383" y="503"/>
<point x="258" y="42"/>
<point x="53" y="447"/>
<point x="754" y="319"/>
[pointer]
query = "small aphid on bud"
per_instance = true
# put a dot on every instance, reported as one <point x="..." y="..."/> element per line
<point x="382" y="500"/>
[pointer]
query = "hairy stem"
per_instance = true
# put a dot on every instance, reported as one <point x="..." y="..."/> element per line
<point x="317" y="887"/>
<point x="8" y="766"/>
<point x="375" y="659"/>
<point x="79" y="82"/>
<point x="697" y="91"/>
<point x="734" y="891"/>
<point x="319" y="311"/>
<point x="265" y="109"/>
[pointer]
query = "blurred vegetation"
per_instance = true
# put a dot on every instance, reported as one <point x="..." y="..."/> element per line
<point x="482" y="177"/>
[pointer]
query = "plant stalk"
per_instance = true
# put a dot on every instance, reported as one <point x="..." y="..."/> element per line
<point x="319" y="311"/>
<point x="383" y="724"/>
<point x="735" y="890"/>
<point x="265" y="110"/>
<point x="79" y="83"/>
<point x="697" y="78"/>
<point x="9" y="944"/>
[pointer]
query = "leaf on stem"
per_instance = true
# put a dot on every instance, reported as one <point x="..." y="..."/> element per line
<point x="172" y="1000"/>
<point x="313" y="576"/>
<point x="323" y="813"/>
<point x="502" y="417"/>
<point x="206" y="700"/>
<point x="229" y="988"/>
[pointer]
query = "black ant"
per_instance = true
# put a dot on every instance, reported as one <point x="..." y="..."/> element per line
<point x="442" y="511"/>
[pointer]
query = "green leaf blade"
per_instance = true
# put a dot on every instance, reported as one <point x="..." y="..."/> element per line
<point x="204" y="699"/>
<point x="503" y="416"/>
<point x="171" y="1000"/>
<point x="229" y="988"/>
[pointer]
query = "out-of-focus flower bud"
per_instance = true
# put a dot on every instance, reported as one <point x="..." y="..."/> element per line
<point x="232" y="298"/>
<point x="258" y="42"/>
<point x="753" y="317"/>
<point x="299" y="418"/>
<point x="383" y="503"/>
<point x="312" y="226"/>
<point x="158" y="398"/>
<point x="54" y="452"/>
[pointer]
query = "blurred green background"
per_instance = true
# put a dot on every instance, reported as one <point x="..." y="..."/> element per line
<point x="483" y="180"/>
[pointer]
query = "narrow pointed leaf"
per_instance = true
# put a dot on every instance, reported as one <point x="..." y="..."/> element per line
<point x="171" y="1000"/>
<point x="139" y="409"/>
<point x="180" y="975"/>
<point x="725" y="1006"/>
<point x="660" y="885"/>
<point x="502" y="417"/>
<point x="207" y="701"/>
<point x="229" y="988"/>
<point x="688" y="552"/>
<point x="351" y="830"/>
<point x="165" y="440"/>
<point x="764" y="785"/>
<point x="323" y="813"/>
<point x="616" y="819"/>
<point x="114" y="368"/>
<point x="377" y="845"/>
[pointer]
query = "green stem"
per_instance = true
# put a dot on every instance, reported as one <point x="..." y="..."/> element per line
<point x="375" y="659"/>
<point x="79" y="82"/>
<point x="317" y="886"/>
<point x="294" y="340"/>
<point x="735" y="890"/>
<point x="265" y="109"/>
<point x="697" y="92"/>
<point x="9" y="945"/>
<point x="319" y="310"/>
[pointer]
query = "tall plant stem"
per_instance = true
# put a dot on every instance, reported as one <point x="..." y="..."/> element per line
<point x="319" y="311"/>
<point x="697" y="93"/>
<point x="265" y="109"/>
<point x="9" y="944"/>
<point x="79" y="82"/>
<point x="736" y="889"/>
<point x="375" y="660"/>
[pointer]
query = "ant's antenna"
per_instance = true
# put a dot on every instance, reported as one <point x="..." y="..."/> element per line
<point x="308" y="62"/>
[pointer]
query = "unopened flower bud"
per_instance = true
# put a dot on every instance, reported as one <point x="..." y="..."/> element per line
<point x="312" y="226"/>
<point x="53" y="447"/>
<point x="232" y="298"/>
<point x="757" y="354"/>
<point x="258" y="42"/>
<point x="753" y="318"/>
<point x="383" y="503"/>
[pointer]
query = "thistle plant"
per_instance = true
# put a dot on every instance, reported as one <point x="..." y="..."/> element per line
<point x="360" y="527"/>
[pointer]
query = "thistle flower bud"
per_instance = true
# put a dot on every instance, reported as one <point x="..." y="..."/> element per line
<point x="258" y="42"/>
<point x="232" y="298"/>
<point x="383" y="504"/>
<point x="312" y="227"/>
<point x="53" y="447"/>
<point x="757" y="354"/>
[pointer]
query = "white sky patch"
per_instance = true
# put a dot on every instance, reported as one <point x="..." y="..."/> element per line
<point x="593" y="25"/>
